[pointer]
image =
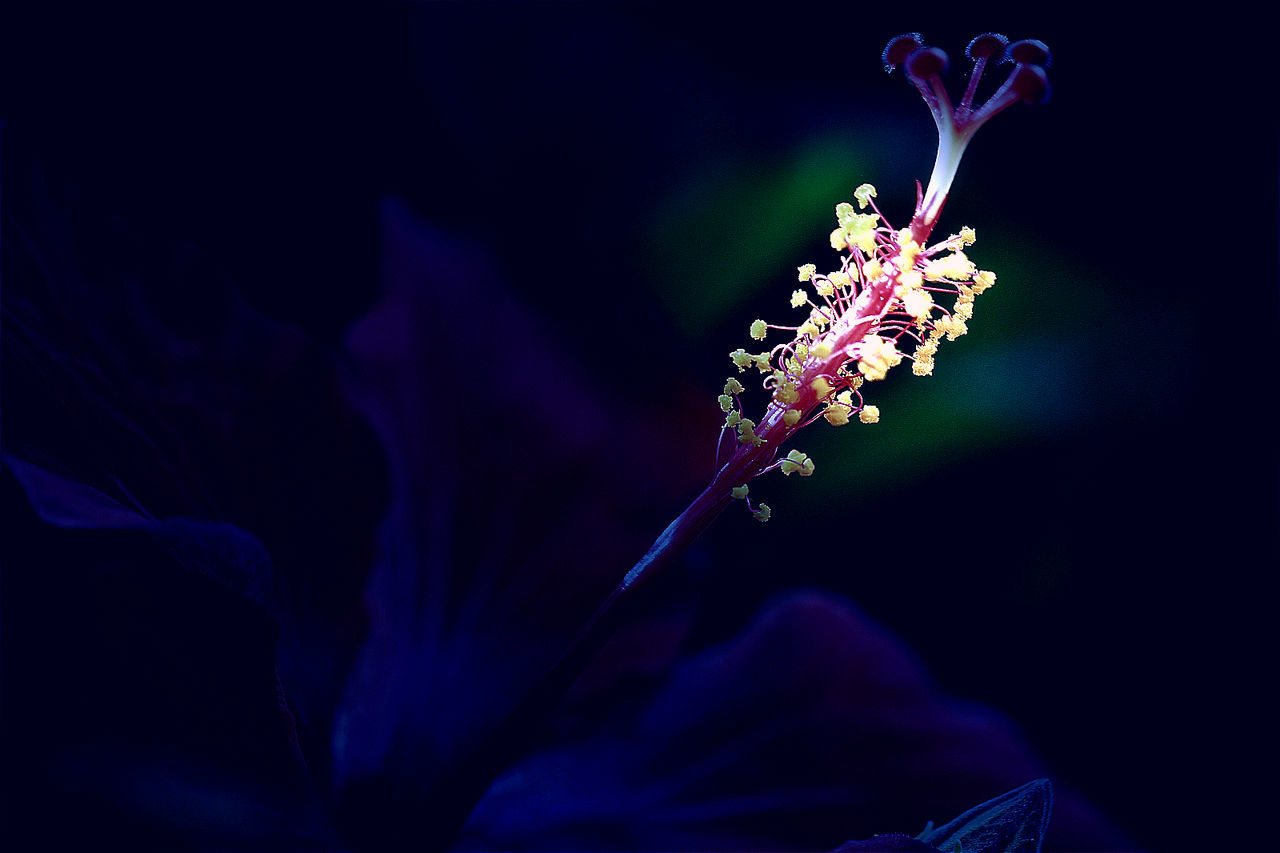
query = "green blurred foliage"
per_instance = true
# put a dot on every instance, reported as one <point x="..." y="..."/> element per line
<point x="728" y="231"/>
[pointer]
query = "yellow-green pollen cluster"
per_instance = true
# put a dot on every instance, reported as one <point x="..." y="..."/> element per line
<point x="883" y="305"/>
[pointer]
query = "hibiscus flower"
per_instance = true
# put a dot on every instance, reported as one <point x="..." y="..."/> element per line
<point x="260" y="595"/>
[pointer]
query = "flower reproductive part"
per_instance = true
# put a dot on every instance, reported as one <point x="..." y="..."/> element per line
<point x="894" y="296"/>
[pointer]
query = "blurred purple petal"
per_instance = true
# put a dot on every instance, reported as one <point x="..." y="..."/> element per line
<point x="888" y="843"/>
<point x="510" y="517"/>
<point x="812" y="727"/>
<point x="143" y="700"/>
<point x="66" y="503"/>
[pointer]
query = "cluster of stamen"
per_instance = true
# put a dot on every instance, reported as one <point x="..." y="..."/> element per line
<point x="885" y="303"/>
<point x="894" y="296"/>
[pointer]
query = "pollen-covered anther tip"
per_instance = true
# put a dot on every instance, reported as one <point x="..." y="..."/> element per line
<point x="899" y="48"/>
<point x="986" y="46"/>
<point x="1030" y="83"/>
<point x="797" y="463"/>
<point x="926" y="62"/>
<point x="1029" y="52"/>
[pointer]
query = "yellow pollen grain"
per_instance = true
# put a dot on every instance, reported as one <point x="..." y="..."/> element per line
<point x="837" y="414"/>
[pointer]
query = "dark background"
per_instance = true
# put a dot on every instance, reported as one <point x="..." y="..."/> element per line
<point x="1073" y="520"/>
